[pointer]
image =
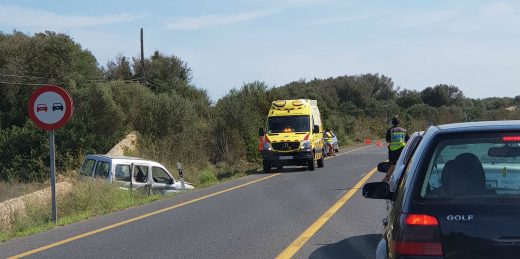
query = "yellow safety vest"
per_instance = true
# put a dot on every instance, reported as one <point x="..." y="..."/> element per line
<point x="397" y="138"/>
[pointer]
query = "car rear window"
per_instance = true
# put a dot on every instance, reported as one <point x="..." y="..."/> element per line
<point x="473" y="168"/>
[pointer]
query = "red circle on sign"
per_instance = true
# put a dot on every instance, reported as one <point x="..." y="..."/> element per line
<point x="68" y="107"/>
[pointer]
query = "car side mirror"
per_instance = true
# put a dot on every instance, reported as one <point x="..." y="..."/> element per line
<point x="383" y="167"/>
<point x="261" y="132"/>
<point x="316" y="129"/>
<point x="377" y="190"/>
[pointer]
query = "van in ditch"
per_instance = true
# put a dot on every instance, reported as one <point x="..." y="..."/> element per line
<point x="146" y="174"/>
<point x="293" y="135"/>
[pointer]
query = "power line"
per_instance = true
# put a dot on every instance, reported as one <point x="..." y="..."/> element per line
<point x="22" y="76"/>
<point x="22" y="83"/>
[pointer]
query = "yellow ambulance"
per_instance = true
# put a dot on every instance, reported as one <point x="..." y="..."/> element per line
<point x="293" y="135"/>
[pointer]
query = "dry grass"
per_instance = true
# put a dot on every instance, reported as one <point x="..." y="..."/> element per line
<point x="10" y="190"/>
<point x="86" y="199"/>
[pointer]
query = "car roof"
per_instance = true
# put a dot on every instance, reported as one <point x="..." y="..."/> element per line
<point x="480" y="126"/>
<point x="115" y="157"/>
<point x="123" y="159"/>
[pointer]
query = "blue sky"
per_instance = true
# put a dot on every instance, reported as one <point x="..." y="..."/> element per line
<point x="474" y="45"/>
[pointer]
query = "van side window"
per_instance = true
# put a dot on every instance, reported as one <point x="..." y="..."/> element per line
<point x="141" y="173"/>
<point x="161" y="176"/>
<point x="123" y="173"/>
<point x="102" y="169"/>
<point x="87" y="167"/>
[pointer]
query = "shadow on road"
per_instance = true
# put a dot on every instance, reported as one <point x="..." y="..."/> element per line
<point x="353" y="247"/>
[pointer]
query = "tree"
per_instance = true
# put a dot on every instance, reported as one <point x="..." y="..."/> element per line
<point x="164" y="73"/>
<point x="442" y="94"/>
<point x="119" y="69"/>
<point x="408" y="98"/>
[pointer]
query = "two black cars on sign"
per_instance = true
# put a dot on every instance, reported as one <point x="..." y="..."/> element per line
<point x="458" y="196"/>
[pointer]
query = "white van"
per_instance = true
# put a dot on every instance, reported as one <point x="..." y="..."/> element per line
<point x="146" y="173"/>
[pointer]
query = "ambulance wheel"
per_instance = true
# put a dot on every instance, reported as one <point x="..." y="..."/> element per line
<point x="310" y="165"/>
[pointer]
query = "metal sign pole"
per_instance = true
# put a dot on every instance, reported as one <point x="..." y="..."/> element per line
<point x="53" y="175"/>
<point x="181" y="175"/>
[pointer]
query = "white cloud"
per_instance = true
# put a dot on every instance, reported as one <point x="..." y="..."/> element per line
<point x="212" y="20"/>
<point x="21" y="17"/>
<point x="500" y="9"/>
<point x="342" y="19"/>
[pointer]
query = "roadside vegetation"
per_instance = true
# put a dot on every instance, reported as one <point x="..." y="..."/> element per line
<point x="85" y="199"/>
<point x="176" y="121"/>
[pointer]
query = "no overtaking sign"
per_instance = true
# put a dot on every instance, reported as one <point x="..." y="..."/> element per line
<point x="50" y="107"/>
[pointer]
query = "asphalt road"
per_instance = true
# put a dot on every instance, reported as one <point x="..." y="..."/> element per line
<point x="257" y="216"/>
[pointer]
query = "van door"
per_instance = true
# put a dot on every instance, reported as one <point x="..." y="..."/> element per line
<point x="161" y="180"/>
<point x="140" y="177"/>
<point x="122" y="175"/>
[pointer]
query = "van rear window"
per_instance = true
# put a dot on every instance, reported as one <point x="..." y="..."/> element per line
<point x="87" y="167"/>
<point x="473" y="168"/>
<point x="123" y="173"/>
<point x="102" y="169"/>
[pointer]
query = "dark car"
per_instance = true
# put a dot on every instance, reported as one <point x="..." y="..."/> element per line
<point x="57" y="106"/>
<point x="459" y="197"/>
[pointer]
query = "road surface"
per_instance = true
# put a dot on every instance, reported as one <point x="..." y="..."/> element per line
<point x="298" y="213"/>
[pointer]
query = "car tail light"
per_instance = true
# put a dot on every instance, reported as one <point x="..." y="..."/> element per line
<point x="423" y="220"/>
<point x="511" y="138"/>
<point x="419" y="235"/>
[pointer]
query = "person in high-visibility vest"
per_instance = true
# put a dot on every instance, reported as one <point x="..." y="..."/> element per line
<point x="396" y="137"/>
<point x="328" y="138"/>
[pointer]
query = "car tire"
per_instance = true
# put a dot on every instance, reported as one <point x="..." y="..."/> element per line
<point x="267" y="167"/>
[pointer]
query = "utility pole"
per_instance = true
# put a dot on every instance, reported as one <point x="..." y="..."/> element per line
<point x="142" y="58"/>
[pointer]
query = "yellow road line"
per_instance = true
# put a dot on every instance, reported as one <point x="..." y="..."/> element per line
<point x="70" y="239"/>
<point x="298" y="243"/>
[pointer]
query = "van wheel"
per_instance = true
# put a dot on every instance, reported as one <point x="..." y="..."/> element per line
<point x="321" y="161"/>
<point x="310" y="165"/>
<point x="266" y="167"/>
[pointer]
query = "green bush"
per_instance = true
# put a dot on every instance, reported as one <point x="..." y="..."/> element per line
<point x="207" y="178"/>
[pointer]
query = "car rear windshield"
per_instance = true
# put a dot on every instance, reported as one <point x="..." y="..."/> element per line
<point x="288" y="124"/>
<point x="473" y="168"/>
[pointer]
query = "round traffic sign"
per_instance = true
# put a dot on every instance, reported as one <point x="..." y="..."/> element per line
<point x="50" y="107"/>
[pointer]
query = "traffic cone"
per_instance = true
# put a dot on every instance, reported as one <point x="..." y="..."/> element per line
<point x="378" y="143"/>
<point x="367" y="141"/>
